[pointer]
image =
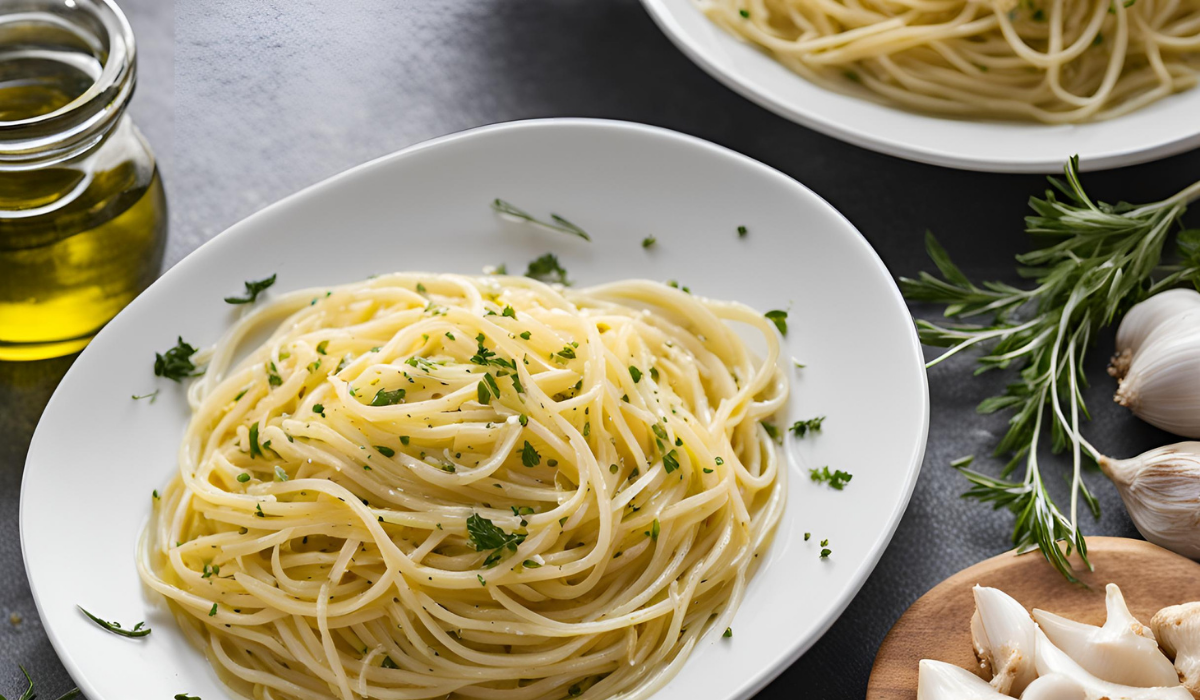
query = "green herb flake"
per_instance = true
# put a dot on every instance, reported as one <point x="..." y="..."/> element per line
<point x="779" y="318"/>
<point x="319" y="409"/>
<point x="255" y="448"/>
<point x="321" y="346"/>
<point x="530" y="456"/>
<point x="671" y="461"/>
<point x="138" y="630"/>
<point x="253" y="289"/>
<point x="635" y="373"/>
<point x="176" y="364"/>
<point x="547" y="269"/>
<point x="649" y="241"/>
<point x="388" y="398"/>
<point x="802" y="427"/>
<point x="728" y="633"/>
<point x="836" y="479"/>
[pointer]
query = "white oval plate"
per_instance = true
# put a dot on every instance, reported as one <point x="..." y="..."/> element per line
<point x="1162" y="129"/>
<point x="97" y="454"/>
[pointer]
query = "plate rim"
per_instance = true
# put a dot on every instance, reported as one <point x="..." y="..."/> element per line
<point x="753" y="91"/>
<point x="857" y="579"/>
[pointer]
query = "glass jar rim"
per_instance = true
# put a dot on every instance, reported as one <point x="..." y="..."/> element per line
<point x="86" y="119"/>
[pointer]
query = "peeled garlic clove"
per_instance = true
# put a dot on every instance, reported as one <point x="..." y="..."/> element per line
<point x="1153" y="317"/>
<point x="1162" y="386"/>
<point x="1052" y="660"/>
<point x="1178" y="630"/>
<point x="1004" y="640"/>
<point x="1054" y="687"/>
<point x="980" y="642"/>
<point x="1161" y="491"/>
<point x="938" y="680"/>
<point x="1123" y="651"/>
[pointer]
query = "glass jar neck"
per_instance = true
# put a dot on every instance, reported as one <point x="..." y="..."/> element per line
<point x="67" y="71"/>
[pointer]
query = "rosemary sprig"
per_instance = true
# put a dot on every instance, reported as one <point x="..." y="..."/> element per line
<point x="1098" y="261"/>
<point x="139" y="630"/>
<point x="556" y="222"/>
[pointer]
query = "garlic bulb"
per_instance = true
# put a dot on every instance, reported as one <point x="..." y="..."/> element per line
<point x="938" y="680"/>
<point x="1161" y="491"/>
<point x="1054" y="687"/>
<point x="1178" y="630"/>
<point x="1003" y="640"/>
<point x="1052" y="660"/>
<point x="1157" y="363"/>
<point x="1123" y="651"/>
<point x="1142" y="320"/>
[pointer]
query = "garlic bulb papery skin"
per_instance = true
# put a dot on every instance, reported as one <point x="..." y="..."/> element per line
<point x="1123" y="651"/>
<point x="1162" y="386"/>
<point x="938" y="680"/>
<point x="1161" y="491"/>
<point x="1054" y="687"/>
<point x="1156" y="315"/>
<point x="1004" y="640"/>
<point x="1178" y="631"/>
<point x="1050" y="659"/>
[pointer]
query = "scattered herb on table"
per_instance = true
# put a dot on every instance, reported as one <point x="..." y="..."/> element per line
<point x="837" y="479"/>
<point x="802" y="427"/>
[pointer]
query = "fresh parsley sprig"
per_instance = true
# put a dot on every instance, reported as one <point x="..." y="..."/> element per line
<point x="253" y="289"/>
<point x="139" y="630"/>
<point x="556" y="222"/>
<point x="547" y="269"/>
<point x="485" y="535"/>
<point x="176" y="363"/>
<point x="1098" y="261"/>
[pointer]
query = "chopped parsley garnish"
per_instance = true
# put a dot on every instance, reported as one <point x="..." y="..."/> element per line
<point x="556" y="223"/>
<point x="530" y="456"/>
<point x="719" y="461"/>
<point x="255" y="449"/>
<point x="728" y="633"/>
<point x="649" y="241"/>
<point x="547" y="269"/>
<point x="321" y="346"/>
<point x="525" y="335"/>
<point x="779" y="318"/>
<point x="670" y="461"/>
<point x="385" y="450"/>
<point x="481" y="581"/>
<point x="825" y="551"/>
<point x="384" y="397"/>
<point x="319" y="409"/>
<point x="836" y="479"/>
<point x="660" y="432"/>
<point x="807" y="536"/>
<point x="745" y="15"/>
<point x="654" y="373"/>
<point x="240" y="395"/>
<point x="531" y="564"/>
<point x="388" y="663"/>
<point x="567" y="352"/>
<point x="176" y="363"/>
<point x="152" y="396"/>
<point x="742" y="231"/>
<point x="253" y="289"/>
<point x="213" y="611"/>
<point x="183" y="696"/>
<point x="655" y="528"/>
<point x="771" y="430"/>
<point x="523" y="419"/>
<point x="139" y="630"/>
<point x="635" y="373"/>
<point x="801" y="427"/>
<point x="280" y="474"/>
<point x="420" y="288"/>
<point x="510" y="312"/>
<point x="485" y="535"/>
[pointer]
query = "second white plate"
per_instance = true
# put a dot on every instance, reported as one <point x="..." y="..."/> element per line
<point x="97" y="455"/>
<point x="1162" y="129"/>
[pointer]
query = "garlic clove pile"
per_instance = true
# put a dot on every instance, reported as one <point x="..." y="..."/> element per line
<point x="938" y="680"/>
<point x="1154" y="316"/>
<point x="1157" y="363"/>
<point x="1178" y="630"/>
<point x="1004" y="640"/>
<point x="1052" y="660"/>
<point x="1123" y="651"/>
<point x="1161" y="491"/>
<point x="1054" y="687"/>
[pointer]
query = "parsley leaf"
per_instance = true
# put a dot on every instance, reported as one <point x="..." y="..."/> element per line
<point x="530" y="456"/>
<point x="253" y="289"/>
<point x="801" y="427"/>
<point x="485" y="535"/>
<point x="779" y="318"/>
<point x="836" y="479"/>
<point x="384" y="397"/>
<point x="547" y="269"/>
<point x="176" y="363"/>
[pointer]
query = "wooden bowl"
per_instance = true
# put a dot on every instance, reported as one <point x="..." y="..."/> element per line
<point x="937" y="626"/>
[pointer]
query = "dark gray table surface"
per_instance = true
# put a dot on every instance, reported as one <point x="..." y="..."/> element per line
<point x="271" y="96"/>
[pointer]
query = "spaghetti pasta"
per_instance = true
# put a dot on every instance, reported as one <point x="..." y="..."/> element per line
<point x="1053" y="61"/>
<point x="431" y="485"/>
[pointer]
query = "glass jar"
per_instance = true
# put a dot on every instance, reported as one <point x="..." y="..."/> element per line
<point x="83" y="218"/>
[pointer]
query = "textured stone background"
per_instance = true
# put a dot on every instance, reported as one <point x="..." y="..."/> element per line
<point x="272" y="96"/>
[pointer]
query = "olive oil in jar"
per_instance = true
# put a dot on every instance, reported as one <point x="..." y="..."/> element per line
<point x="82" y="209"/>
